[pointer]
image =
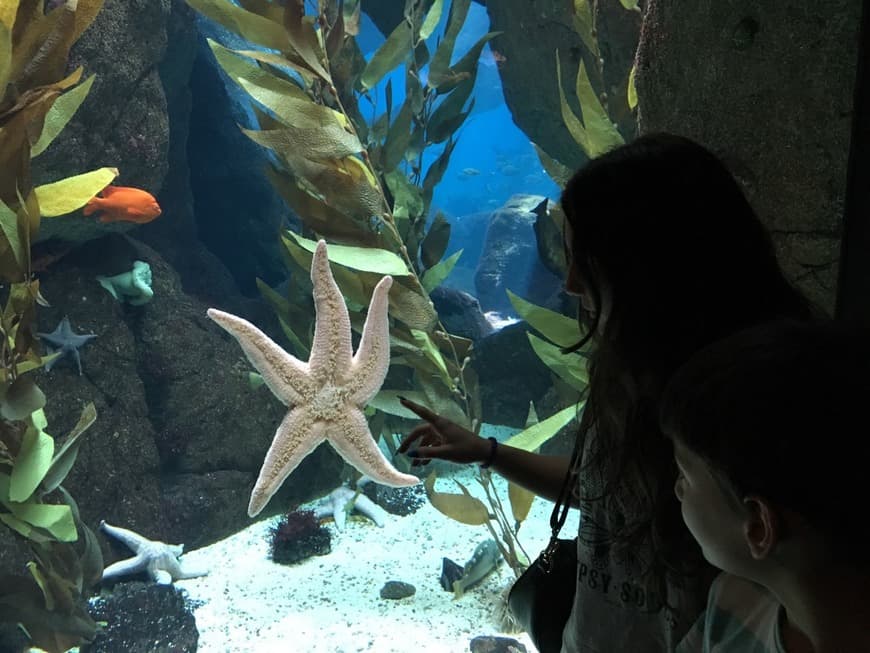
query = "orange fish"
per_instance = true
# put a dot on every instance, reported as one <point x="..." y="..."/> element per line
<point x="120" y="203"/>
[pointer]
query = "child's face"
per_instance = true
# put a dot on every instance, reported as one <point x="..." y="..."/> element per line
<point x="715" y="518"/>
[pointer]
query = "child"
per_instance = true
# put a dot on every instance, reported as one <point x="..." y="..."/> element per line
<point x="771" y="436"/>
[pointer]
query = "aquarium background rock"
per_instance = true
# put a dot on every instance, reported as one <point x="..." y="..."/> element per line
<point x="772" y="95"/>
<point x="143" y="618"/>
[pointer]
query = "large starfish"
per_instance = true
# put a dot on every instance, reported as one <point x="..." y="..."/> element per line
<point x="327" y="394"/>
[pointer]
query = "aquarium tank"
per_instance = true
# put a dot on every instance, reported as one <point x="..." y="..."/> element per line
<point x="240" y="242"/>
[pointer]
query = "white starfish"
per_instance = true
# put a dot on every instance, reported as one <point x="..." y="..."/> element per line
<point x="326" y="394"/>
<point x="335" y="503"/>
<point x="159" y="559"/>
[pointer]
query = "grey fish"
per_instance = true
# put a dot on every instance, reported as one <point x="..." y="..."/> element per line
<point x="450" y="573"/>
<point x="484" y="560"/>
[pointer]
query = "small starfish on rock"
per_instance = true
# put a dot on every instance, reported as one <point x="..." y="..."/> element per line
<point x="64" y="340"/>
<point x="335" y="505"/>
<point x="328" y="393"/>
<point x="159" y="559"/>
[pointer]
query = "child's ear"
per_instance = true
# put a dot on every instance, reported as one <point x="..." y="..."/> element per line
<point x="762" y="528"/>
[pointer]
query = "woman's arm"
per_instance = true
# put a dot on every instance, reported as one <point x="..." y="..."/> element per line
<point x="445" y="440"/>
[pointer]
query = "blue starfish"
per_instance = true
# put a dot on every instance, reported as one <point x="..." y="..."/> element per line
<point x="64" y="340"/>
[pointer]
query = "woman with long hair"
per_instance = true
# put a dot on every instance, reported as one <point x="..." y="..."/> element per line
<point x="666" y="256"/>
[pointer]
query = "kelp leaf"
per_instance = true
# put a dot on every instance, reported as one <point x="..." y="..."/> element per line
<point x="72" y="193"/>
<point x="584" y="25"/>
<point x="521" y="501"/>
<point x="631" y="5"/>
<point x="57" y="520"/>
<point x="303" y="38"/>
<point x="248" y="25"/>
<point x="437" y="169"/>
<point x="271" y="10"/>
<point x="434" y="243"/>
<point x="239" y="66"/>
<point x="601" y="134"/>
<point x="21" y="398"/>
<point x="351" y="17"/>
<point x="449" y="116"/>
<point x="5" y="55"/>
<point x="86" y="12"/>
<point x="327" y="142"/>
<point x="440" y="64"/>
<point x="532" y="438"/>
<point x="572" y="122"/>
<point x="31" y="464"/>
<point x="391" y="53"/>
<point x="407" y="201"/>
<point x="398" y="137"/>
<point x="365" y="259"/>
<point x="560" y="329"/>
<point x="351" y="283"/>
<point x="411" y="307"/>
<point x="560" y="174"/>
<point x="60" y="114"/>
<point x="571" y="368"/>
<point x="64" y="459"/>
<point x="463" y="508"/>
<point x="430" y="350"/>
<point x="388" y="402"/>
<point x="9" y="228"/>
<point x="432" y="19"/>
<point x="435" y="276"/>
<point x="292" y="110"/>
<point x="326" y="220"/>
<point x="631" y="95"/>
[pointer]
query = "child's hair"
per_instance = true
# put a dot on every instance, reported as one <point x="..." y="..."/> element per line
<point x="781" y="411"/>
<point x="665" y="228"/>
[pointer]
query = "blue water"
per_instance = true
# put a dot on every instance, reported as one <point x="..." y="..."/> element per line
<point x="493" y="159"/>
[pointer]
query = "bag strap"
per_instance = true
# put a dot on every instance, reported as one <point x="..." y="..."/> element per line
<point x="561" y="508"/>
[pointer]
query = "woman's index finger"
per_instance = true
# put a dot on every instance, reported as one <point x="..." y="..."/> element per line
<point x="422" y="411"/>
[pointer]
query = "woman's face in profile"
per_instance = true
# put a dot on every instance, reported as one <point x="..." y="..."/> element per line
<point x="577" y="286"/>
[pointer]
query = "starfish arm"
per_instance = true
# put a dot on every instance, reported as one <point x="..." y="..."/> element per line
<point x="331" y="348"/>
<point x="124" y="567"/>
<point x="339" y="515"/>
<point x="286" y="376"/>
<point x="133" y="540"/>
<point x="190" y="572"/>
<point x="371" y="510"/>
<point x="349" y="435"/>
<point x="161" y="576"/>
<point x="75" y="353"/>
<point x="297" y="436"/>
<point x="372" y="359"/>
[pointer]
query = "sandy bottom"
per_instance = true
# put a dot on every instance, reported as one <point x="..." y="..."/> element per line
<point x="331" y="603"/>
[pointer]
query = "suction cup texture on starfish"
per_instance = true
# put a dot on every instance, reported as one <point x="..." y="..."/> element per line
<point x="327" y="394"/>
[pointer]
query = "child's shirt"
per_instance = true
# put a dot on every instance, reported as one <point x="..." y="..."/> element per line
<point x="741" y="617"/>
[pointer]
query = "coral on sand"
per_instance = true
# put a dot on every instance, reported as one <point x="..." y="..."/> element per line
<point x="298" y="536"/>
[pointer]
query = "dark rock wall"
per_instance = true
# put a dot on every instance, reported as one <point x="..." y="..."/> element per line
<point x="180" y="435"/>
<point x="768" y="87"/>
<point x="238" y="213"/>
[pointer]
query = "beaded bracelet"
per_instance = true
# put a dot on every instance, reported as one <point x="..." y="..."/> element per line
<point x="493" y="443"/>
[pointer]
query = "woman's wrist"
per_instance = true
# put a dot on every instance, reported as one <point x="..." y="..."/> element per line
<point x="491" y="453"/>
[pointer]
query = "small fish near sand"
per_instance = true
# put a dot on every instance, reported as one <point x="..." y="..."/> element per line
<point x="483" y="561"/>
<point x="124" y="204"/>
